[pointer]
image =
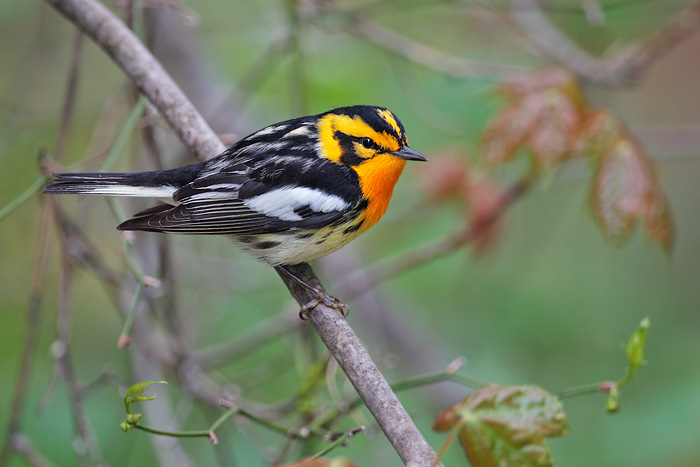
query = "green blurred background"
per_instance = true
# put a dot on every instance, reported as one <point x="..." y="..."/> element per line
<point x="551" y="305"/>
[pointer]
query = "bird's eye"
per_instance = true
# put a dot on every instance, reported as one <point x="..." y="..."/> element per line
<point x="367" y="143"/>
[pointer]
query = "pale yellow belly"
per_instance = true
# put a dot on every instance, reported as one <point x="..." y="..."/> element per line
<point x="297" y="246"/>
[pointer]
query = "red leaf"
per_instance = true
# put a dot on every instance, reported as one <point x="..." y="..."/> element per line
<point x="544" y="115"/>
<point x="625" y="187"/>
<point x="506" y="134"/>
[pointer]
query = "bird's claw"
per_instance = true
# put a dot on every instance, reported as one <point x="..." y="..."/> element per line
<point x="327" y="300"/>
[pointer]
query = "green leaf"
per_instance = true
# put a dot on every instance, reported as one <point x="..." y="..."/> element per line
<point x="634" y="350"/>
<point x="506" y="425"/>
<point x="133" y="394"/>
<point x="635" y="347"/>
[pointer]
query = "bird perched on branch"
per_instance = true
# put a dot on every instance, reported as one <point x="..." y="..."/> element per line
<point x="288" y="193"/>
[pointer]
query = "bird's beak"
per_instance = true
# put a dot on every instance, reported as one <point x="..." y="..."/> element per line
<point x="409" y="154"/>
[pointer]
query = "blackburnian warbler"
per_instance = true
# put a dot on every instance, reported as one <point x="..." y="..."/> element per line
<point x="289" y="193"/>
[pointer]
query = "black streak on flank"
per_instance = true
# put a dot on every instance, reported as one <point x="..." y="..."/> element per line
<point x="352" y="215"/>
<point x="354" y="228"/>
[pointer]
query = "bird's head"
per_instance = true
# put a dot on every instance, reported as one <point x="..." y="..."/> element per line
<point x="356" y="135"/>
<point x="372" y="142"/>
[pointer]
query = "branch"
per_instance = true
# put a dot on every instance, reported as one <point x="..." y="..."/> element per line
<point x="625" y="66"/>
<point x="364" y="375"/>
<point x="429" y="57"/>
<point x="152" y="80"/>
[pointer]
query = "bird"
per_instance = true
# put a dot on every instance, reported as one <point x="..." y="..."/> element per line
<point x="289" y="193"/>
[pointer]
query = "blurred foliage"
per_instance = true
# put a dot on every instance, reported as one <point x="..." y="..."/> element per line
<point x="548" y="304"/>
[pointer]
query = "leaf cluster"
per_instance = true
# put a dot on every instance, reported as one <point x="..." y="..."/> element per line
<point x="547" y="117"/>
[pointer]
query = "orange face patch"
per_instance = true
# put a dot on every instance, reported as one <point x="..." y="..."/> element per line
<point x="377" y="179"/>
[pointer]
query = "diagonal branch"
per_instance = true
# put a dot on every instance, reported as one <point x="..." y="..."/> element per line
<point x="152" y="80"/>
<point x="364" y="375"/>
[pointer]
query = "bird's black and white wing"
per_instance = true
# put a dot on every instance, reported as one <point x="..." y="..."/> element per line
<point x="256" y="196"/>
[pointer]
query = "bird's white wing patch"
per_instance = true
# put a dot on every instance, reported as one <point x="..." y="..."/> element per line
<point x="282" y="202"/>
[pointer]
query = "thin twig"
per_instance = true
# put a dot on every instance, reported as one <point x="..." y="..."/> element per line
<point x="339" y="441"/>
<point x="592" y="388"/>
<point x="422" y="54"/>
<point x="24" y="196"/>
<point x="33" y="320"/>
<point x="124" y="336"/>
<point x="61" y="351"/>
<point x="208" y="433"/>
<point x="69" y="100"/>
<point x="85" y="254"/>
<point x="106" y="376"/>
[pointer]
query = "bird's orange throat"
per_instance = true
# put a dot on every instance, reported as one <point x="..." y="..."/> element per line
<point x="377" y="179"/>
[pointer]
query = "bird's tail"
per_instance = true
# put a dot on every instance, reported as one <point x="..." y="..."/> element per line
<point x="162" y="183"/>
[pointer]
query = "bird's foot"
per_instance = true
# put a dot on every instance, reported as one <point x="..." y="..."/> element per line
<point x="327" y="300"/>
<point x="319" y="296"/>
